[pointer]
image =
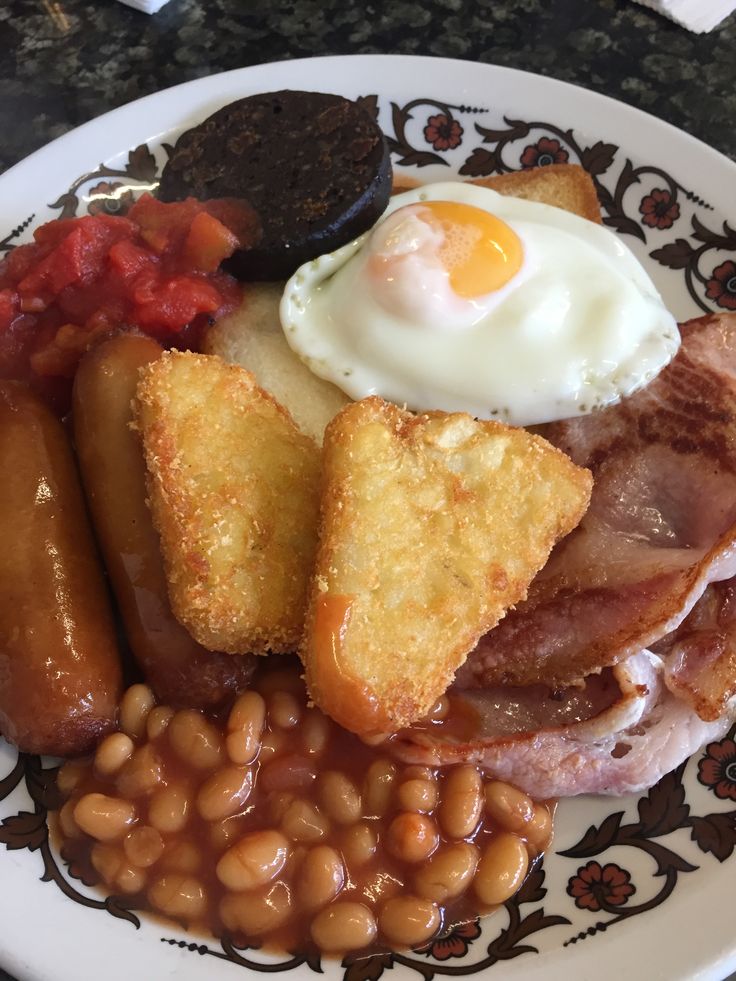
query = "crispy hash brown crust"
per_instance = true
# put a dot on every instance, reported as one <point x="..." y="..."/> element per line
<point x="233" y="489"/>
<point x="432" y="526"/>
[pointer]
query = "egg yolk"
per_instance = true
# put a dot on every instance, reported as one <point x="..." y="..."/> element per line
<point x="480" y="252"/>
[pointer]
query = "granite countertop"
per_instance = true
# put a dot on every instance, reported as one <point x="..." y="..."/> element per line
<point x="67" y="61"/>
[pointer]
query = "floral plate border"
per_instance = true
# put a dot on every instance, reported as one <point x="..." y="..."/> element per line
<point x="650" y="206"/>
<point x="598" y="886"/>
<point x="429" y="132"/>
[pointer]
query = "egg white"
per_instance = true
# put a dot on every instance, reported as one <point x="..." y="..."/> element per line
<point x="578" y="327"/>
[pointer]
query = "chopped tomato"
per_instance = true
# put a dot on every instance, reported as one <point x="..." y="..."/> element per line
<point x="156" y="270"/>
<point x="208" y="243"/>
<point x="9" y="308"/>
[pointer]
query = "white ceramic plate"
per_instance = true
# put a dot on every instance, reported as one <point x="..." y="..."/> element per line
<point x="672" y="198"/>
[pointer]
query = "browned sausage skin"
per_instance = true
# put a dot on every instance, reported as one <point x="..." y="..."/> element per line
<point x="181" y="672"/>
<point x="60" y="675"/>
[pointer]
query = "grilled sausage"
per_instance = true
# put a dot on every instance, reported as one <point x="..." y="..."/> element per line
<point x="180" y="671"/>
<point x="60" y="674"/>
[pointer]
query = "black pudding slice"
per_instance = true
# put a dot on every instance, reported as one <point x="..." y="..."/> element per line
<point x="315" y="168"/>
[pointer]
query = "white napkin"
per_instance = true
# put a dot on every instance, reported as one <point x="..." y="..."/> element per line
<point x="696" y="15"/>
<point x="147" y="6"/>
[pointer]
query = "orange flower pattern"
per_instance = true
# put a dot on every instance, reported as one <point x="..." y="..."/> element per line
<point x="658" y="210"/>
<point x="109" y="199"/>
<point x="721" y="286"/>
<point x="717" y="769"/>
<point x="542" y="153"/>
<point x="443" y="132"/>
<point x="453" y="943"/>
<point x="597" y="886"/>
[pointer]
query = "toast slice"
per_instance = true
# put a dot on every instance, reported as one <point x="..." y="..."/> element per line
<point x="234" y="493"/>
<point x="566" y="186"/>
<point x="432" y="526"/>
<point x="252" y="337"/>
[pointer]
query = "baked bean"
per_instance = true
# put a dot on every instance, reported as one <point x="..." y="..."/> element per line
<point x="294" y="862"/>
<point x="290" y="841"/>
<point x="168" y="809"/>
<point x="181" y="856"/>
<point x="272" y="744"/>
<point x="379" y="787"/>
<point x="158" y="721"/>
<point x="255" y="913"/>
<point x="315" y="732"/>
<point x="278" y="803"/>
<point x="501" y="869"/>
<point x="107" y="860"/>
<point x="448" y="873"/>
<point x="538" y="832"/>
<point x="321" y="877"/>
<point x="135" y="705"/>
<point x="70" y="776"/>
<point x="130" y="879"/>
<point x="68" y="825"/>
<point x="141" y="774"/>
<point x="408" y="920"/>
<point x="359" y="843"/>
<point x="179" y="896"/>
<point x="253" y="861"/>
<point x="284" y="710"/>
<point x="114" y="750"/>
<point x="339" y="797"/>
<point x="143" y="846"/>
<point x="245" y="727"/>
<point x="376" y="887"/>
<point x="104" y="818"/>
<point x="417" y="795"/>
<point x="460" y="807"/>
<point x="225" y="833"/>
<point x="194" y="739"/>
<point x="415" y="772"/>
<point x="343" y="926"/>
<point x="287" y="773"/>
<point x="303" y="822"/>
<point x="225" y="793"/>
<point x="412" y="837"/>
<point x="510" y="807"/>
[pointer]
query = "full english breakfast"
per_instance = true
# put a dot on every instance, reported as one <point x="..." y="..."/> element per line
<point x="377" y="625"/>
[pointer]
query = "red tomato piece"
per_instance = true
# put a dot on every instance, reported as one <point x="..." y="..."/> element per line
<point x="155" y="270"/>
<point x="174" y="303"/>
<point x="8" y="308"/>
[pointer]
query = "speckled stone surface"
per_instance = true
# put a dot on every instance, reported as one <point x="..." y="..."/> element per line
<point x="64" y="62"/>
<point x="67" y="61"/>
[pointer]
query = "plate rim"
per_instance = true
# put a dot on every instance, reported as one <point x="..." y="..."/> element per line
<point x="728" y="960"/>
<point x="182" y="87"/>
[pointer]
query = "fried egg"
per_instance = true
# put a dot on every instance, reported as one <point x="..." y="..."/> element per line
<point x="467" y="300"/>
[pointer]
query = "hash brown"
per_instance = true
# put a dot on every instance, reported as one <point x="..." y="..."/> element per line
<point x="233" y="488"/>
<point x="431" y="527"/>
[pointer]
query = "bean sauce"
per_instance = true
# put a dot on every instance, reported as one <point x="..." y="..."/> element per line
<point x="271" y="825"/>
